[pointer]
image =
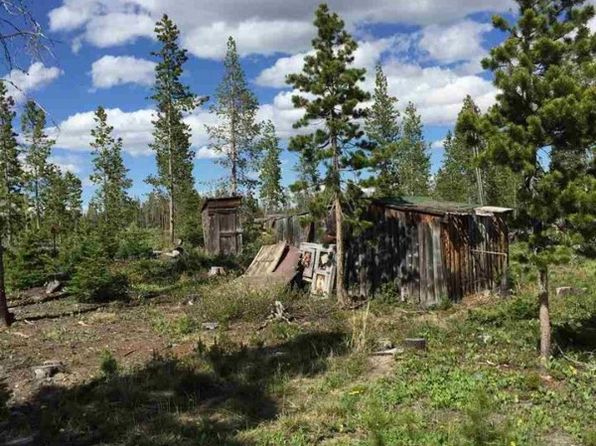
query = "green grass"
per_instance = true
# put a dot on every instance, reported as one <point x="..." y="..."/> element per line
<point x="313" y="381"/>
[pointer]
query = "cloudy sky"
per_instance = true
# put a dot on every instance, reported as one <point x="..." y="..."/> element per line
<point x="430" y="51"/>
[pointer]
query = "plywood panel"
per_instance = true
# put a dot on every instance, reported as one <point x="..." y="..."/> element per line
<point x="266" y="259"/>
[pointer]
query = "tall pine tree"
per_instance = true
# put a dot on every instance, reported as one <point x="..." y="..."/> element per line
<point x="332" y="99"/>
<point x="382" y="130"/>
<point x="413" y="157"/>
<point x="544" y="70"/>
<point x="38" y="148"/>
<point x="469" y="136"/>
<point x="454" y="181"/>
<point x="110" y="174"/>
<point x="272" y="193"/>
<point x="236" y="107"/>
<point x="171" y="134"/>
<point x="11" y="197"/>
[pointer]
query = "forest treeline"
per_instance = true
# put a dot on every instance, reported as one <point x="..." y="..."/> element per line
<point x="533" y="150"/>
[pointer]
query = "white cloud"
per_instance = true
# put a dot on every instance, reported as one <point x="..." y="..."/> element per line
<point x="110" y="71"/>
<point x="366" y="56"/>
<point x="261" y="26"/>
<point x="135" y="128"/>
<point x="207" y="153"/>
<point x="252" y="37"/>
<point x="118" y="28"/>
<point x="275" y="75"/>
<point x="437" y="92"/>
<point x="72" y="14"/>
<point x="456" y="42"/>
<point x="68" y="163"/>
<point x="21" y="83"/>
<point x="437" y="145"/>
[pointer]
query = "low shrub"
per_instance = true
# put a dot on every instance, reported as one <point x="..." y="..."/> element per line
<point x="108" y="365"/>
<point x="516" y="309"/>
<point x="234" y="301"/>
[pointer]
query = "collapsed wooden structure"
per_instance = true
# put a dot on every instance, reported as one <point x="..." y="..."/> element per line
<point x="425" y="250"/>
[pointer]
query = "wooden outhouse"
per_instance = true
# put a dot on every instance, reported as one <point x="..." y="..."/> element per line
<point x="222" y="228"/>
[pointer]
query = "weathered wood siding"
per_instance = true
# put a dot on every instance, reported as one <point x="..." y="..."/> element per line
<point x="425" y="256"/>
<point x="293" y="229"/>
<point x="475" y="250"/>
<point x="222" y="229"/>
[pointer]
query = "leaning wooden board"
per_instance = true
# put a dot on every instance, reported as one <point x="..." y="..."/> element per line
<point x="266" y="259"/>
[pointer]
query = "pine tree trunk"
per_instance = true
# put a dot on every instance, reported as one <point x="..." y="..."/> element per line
<point x="37" y="206"/>
<point x="479" y="180"/>
<point x="342" y="295"/>
<point x="171" y="179"/>
<point x="6" y="317"/>
<point x="234" y="157"/>
<point x="545" y="330"/>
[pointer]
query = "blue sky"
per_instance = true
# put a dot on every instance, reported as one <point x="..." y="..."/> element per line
<point x="430" y="52"/>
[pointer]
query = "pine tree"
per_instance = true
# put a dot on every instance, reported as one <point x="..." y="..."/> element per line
<point x="236" y="107"/>
<point x="453" y="181"/>
<point x="545" y="71"/>
<point x="334" y="95"/>
<point x="469" y="135"/>
<point x="54" y="198"/>
<point x="74" y="200"/>
<point x="413" y="157"/>
<point x="110" y="174"/>
<point x="37" y="151"/>
<point x="272" y="193"/>
<point x="11" y="198"/>
<point x="62" y="201"/>
<point x="171" y="134"/>
<point x="382" y="130"/>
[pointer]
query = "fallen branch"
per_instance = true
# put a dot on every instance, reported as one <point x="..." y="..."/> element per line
<point x="575" y="361"/>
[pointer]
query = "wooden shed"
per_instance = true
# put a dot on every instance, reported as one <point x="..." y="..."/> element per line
<point x="222" y="228"/>
<point x="429" y="250"/>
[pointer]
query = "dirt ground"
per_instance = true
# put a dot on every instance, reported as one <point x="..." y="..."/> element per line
<point x="76" y="334"/>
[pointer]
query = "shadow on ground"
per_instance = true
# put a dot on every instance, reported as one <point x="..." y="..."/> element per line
<point x="206" y="398"/>
<point x="578" y="335"/>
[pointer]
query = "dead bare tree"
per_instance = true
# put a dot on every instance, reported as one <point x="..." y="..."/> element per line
<point x="21" y="34"/>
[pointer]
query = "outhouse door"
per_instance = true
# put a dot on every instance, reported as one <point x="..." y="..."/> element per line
<point x="230" y="233"/>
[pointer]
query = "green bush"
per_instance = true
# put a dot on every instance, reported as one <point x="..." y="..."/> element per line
<point x="28" y="264"/>
<point x="479" y="427"/>
<point x="135" y="243"/>
<point x="516" y="309"/>
<point x="109" y="364"/>
<point x="92" y="280"/>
